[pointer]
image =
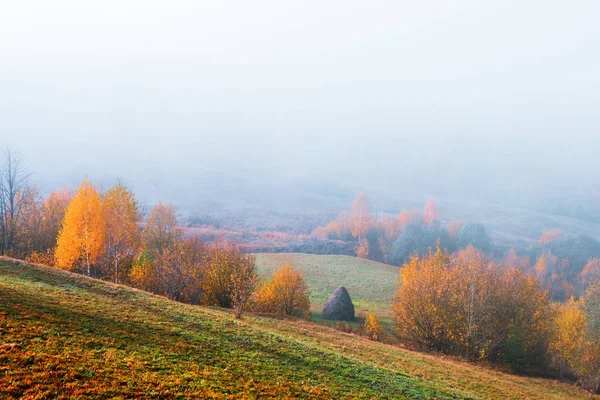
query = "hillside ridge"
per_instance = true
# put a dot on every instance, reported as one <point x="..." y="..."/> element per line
<point x="63" y="335"/>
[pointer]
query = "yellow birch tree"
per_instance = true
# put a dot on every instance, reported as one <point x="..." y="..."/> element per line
<point x="123" y="232"/>
<point x="81" y="239"/>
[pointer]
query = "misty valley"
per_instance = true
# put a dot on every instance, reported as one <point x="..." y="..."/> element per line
<point x="299" y="200"/>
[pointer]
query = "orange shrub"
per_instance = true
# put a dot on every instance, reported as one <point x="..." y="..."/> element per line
<point x="286" y="293"/>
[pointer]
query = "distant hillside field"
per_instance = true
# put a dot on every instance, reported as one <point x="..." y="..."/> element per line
<point x="67" y="336"/>
<point x="370" y="284"/>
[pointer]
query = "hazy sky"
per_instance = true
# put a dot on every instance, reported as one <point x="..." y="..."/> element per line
<point x="445" y="93"/>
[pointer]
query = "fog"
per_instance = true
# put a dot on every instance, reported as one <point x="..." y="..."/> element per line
<point x="188" y="101"/>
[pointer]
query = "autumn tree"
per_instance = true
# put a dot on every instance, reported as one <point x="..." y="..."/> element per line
<point x="179" y="270"/>
<point x="143" y="273"/>
<point x="286" y="293"/>
<point x="244" y="281"/>
<point x="430" y="213"/>
<point x="53" y="215"/>
<point x="476" y="295"/>
<point x="541" y="267"/>
<point x="360" y="220"/>
<point x="464" y="304"/>
<point x="43" y="222"/>
<point x="454" y="227"/>
<point x="512" y="260"/>
<point x="549" y="236"/>
<point x="81" y="239"/>
<point x="526" y="313"/>
<point x="123" y="232"/>
<point x="336" y="229"/>
<point x="161" y="231"/>
<point x="362" y="250"/>
<point x="420" y="300"/>
<point x="575" y="343"/>
<point x="389" y="226"/>
<point x="569" y="335"/>
<point x="403" y="220"/>
<point x="372" y="326"/>
<point x="226" y="261"/>
<point x="590" y="273"/>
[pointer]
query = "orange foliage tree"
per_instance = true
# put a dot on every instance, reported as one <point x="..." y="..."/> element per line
<point x="360" y="220"/>
<point x="143" y="273"/>
<point x="389" y="226"/>
<point x="430" y="213"/>
<point x="422" y="301"/>
<point x="225" y="263"/>
<point x="286" y="293"/>
<point x="550" y="236"/>
<point x="123" y="232"/>
<point x="53" y="215"/>
<point x="404" y="218"/>
<point x="463" y="304"/>
<point x="541" y="267"/>
<point x="179" y="271"/>
<point x="81" y="239"/>
<point x="569" y="334"/>
<point x="362" y="250"/>
<point x="591" y="272"/>
<point x="336" y="228"/>
<point x="373" y="327"/>
<point x="454" y="227"/>
<point x="575" y="343"/>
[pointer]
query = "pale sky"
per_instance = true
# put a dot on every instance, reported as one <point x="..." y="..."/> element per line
<point x="444" y="93"/>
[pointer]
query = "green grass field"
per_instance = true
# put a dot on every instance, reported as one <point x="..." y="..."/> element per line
<point x="370" y="284"/>
<point x="67" y="336"/>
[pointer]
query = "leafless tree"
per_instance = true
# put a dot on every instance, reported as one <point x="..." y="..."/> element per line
<point x="14" y="190"/>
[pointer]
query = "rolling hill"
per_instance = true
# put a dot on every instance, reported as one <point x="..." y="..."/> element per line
<point x="63" y="335"/>
<point x="370" y="284"/>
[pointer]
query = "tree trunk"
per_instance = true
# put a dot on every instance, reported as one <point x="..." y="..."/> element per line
<point x="117" y="264"/>
<point x="87" y="261"/>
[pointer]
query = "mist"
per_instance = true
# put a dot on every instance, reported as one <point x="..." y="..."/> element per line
<point x="206" y="104"/>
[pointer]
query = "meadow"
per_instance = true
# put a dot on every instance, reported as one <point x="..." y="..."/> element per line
<point x="371" y="284"/>
<point x="63" y="335"/>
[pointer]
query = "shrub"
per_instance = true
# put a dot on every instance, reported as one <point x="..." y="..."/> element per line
<point x="372" y="327"/>
<point x="343" y="326"/>
<point x="286" y="293"/>
<point x="225" y="262"/>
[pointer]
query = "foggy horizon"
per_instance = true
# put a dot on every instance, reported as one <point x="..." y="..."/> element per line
<point x="411" y="100"/>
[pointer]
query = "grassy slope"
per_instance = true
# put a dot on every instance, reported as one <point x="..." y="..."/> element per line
<point x="63" y="335"/>
<point x="370" y="284"/>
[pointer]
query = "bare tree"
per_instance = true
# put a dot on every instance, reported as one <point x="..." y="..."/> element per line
<point x="14" y="191"/>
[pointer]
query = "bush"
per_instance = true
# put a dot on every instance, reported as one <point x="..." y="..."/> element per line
<point x="372" y="326"/>
<point x="343" y="326"/>
<point x="286" y="293"/>
<point x="515" y="355"/>
<point x="226" y="260"/>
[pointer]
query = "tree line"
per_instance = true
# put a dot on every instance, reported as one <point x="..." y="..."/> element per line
<point x="465" y="304"/>
<point x="557" y="260"/>
<point x="394" y="240"/>
<point x="104" y="235"/>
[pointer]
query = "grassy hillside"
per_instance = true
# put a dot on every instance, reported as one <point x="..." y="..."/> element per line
<point x="67" y="336"/>
<point x="370" y="284"/>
